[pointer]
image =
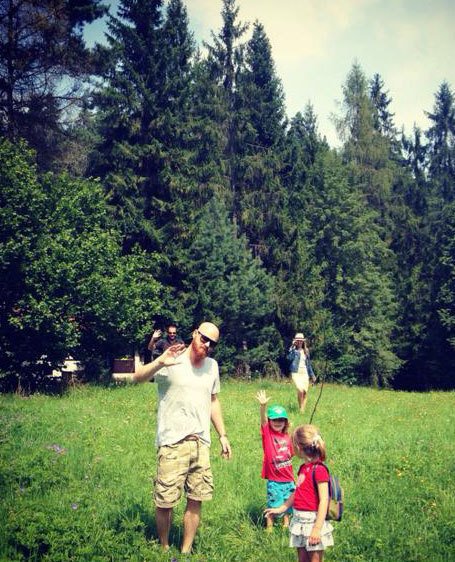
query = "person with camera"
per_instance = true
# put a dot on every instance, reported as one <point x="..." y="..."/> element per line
<point x="300" y="368"/>
<point x="158" y="344"/>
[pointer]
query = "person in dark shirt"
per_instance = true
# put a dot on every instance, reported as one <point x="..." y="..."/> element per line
<point x="158" y="345"/>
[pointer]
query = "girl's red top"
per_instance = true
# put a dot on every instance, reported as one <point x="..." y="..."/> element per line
<point x="278" y="453"/>
<point x="306" y="495"/>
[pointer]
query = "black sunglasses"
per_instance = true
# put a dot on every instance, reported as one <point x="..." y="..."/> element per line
<point x="205" y="339"/>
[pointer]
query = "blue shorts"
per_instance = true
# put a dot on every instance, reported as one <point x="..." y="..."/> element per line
<point x="278" y="493"/>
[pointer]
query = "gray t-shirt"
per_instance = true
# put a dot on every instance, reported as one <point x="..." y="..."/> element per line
<point x="185" y="396"/>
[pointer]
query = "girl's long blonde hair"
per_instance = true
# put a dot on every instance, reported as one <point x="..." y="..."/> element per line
<point x="308" y="442"/>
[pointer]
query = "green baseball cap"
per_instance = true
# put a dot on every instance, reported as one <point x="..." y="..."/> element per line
<point x="275" y="412"/>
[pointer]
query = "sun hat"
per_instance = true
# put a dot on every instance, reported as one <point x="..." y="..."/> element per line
<point x="299" y="336"/>
<point x="276" y="412"/>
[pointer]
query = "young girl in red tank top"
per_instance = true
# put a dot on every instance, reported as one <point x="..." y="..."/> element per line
<point x="311" y="534"/>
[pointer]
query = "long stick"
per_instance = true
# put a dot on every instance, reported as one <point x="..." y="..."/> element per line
<point x="320" y="392"/>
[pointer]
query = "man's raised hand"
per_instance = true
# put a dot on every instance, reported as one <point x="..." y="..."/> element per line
<point x="169" y="356"/>
<point x="157" y="334"/>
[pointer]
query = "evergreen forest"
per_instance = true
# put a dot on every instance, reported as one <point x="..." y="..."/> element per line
<point x="151" y="179"/>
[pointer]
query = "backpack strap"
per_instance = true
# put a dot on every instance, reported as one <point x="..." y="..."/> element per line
<point x="315" y="484"/>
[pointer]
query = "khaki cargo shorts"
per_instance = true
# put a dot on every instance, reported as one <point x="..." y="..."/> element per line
<point x="183" y="466"/>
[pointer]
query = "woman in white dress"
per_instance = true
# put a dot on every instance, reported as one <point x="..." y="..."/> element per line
<point x="300" y="368"/>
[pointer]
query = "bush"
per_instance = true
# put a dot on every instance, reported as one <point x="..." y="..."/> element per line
<point x="66" y="287"/>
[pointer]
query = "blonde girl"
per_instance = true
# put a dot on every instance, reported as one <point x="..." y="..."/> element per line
<point x="311" y="534"/>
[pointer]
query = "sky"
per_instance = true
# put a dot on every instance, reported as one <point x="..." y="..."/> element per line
<point x="409" y="43"/>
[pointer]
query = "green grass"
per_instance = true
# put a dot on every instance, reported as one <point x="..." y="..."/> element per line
<point x="76" y="476"/>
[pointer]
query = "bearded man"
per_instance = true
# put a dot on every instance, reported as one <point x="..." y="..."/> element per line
<point x="188" y="386"/>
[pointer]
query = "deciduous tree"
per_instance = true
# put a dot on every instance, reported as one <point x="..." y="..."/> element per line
<point x="66" y="289"/>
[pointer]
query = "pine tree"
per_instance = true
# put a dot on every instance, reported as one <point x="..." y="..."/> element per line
<point x="441" y="331"/>
<point x="125" y="106"/>
<point x="437" y="352"/>
<point x="425" y="251"/>
<point x="353" y="264"/>
<point x="142" y="112"/>
<point x="225" y="57"/>
<point x="303" y="143"/>
<point x="260" y="201"/>
<point x="43" y="58"/>
<point x="415" y="160"/>
<point x="227" y="285"/>
<point x="441" y="136"/>
<point x="260" y="93"/>
<point x="301" y="287"/>
<point x="383" y="118"/>
<point x="446" y="297"/>
<point x="207" y="144"/>
<point x="365" y="149"/>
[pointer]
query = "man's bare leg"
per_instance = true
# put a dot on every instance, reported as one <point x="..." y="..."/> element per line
<point x="163" y="525"/>
<point x="191" y="520"/>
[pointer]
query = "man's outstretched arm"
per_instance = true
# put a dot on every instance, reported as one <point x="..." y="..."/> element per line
<point x="147" y="372"/>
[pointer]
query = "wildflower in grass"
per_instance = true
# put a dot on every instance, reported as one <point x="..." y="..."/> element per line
<point x="57" y="449"/>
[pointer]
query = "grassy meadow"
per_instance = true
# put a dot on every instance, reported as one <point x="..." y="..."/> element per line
<point x="76" y="475"/>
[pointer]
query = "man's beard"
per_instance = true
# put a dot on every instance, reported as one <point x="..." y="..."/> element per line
<point x="200" y="352"/>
